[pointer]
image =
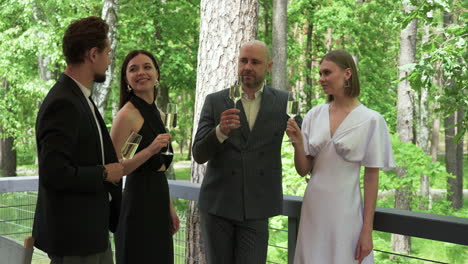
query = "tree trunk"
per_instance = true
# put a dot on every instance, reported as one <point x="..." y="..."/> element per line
<point x="278" y="71"/>
<point x="457" y="201"/>
<point x="7" y="153"/>
<point x="163" y="93"/>
<point x="329" y="39"/>
<point x="299" y="85"/>
<point x="266" y="19"/>
<point x="435" y="138"/>
<point x="454" y="159"/>
<point x="163" y="97"/>
<point x="101" y="90"/>
<point x="405" y="113"/>
<point x="8" y="156"/>
<point x="43" y="61"/>
<point x="453" y="150"/>
<point x="423" y="129"/>
<point x="450" y="155"/>
<point x="224" y="26"/>
<point x="308" y="66"/>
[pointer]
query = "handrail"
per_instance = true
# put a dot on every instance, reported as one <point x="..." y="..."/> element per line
<point x="416" y="224"/>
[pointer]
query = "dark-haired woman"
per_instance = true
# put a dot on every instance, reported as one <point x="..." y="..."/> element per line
<point x="337" y="139"/>
<point x="147" y="219"/>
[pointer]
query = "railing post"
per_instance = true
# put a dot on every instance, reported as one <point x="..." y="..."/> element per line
<point x="293" y="226"/>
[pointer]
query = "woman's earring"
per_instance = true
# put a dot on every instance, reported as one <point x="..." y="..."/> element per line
<point x="346" y="84"/>
<point x="129" y="88"/>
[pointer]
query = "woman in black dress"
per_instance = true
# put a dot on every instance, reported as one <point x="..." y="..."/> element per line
<point x="147" y="218"/>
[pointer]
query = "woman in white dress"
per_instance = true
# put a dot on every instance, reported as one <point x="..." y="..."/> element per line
<point x="338" y="138"/>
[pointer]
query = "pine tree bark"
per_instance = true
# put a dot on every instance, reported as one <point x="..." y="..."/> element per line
<point x="405" y="113"/>
<point x="224" y="26"/>
<point x="279" y="70"/>
<point x="101" y="90"/>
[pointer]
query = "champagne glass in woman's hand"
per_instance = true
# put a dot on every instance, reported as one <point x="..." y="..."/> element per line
<point x="170" y="122"/>
<point x="292" y="107"/>
<point x="130" y="146"/>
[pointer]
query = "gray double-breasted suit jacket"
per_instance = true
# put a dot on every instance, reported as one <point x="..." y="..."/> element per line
<point x="243" y="178"/>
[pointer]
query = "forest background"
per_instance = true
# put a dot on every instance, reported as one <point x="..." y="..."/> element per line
<point x="411" y="57"/>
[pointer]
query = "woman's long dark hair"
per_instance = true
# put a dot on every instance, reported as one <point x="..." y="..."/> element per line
<point x="125" y="94"/>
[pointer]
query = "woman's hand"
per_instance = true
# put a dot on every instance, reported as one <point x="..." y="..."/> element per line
<point x="159" y="143"/>
<point x="364" y="246"/>
<point x="175" y="220"/>
<point x="293" y="131"/>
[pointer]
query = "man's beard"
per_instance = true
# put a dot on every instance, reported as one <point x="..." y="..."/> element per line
<point x="99" y="78"/>
<point x="255" y="84"/>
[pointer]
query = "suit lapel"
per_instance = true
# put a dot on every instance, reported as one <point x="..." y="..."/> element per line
<point x="68" y="82"/>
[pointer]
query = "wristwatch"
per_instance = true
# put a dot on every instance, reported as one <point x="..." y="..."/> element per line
<point x="104" y="172"/>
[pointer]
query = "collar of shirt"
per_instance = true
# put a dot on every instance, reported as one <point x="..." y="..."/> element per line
<point x="257" y="94"/>
<point x="86" y="92"/>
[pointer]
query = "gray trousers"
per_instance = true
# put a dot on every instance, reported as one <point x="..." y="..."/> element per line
<point x="98" y="258"/>
<point x="234" y="242"/>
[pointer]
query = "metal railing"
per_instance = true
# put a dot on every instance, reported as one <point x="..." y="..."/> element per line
<point x="423" y="225"/>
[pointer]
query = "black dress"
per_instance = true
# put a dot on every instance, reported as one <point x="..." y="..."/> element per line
<point x="144" y="232"/>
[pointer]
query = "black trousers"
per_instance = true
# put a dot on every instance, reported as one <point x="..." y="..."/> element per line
<point x="234" y="242"/>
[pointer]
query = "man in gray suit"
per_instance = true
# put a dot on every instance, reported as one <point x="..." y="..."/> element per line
<point x="242" y="186"/>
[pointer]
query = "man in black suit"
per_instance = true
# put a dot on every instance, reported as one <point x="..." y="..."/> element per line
<point x="79" y="174"/>
<point x="242" y="186"/>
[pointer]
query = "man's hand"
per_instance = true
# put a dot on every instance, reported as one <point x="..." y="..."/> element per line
<point x="229" y="120"/>
<point x="114" y="172"/>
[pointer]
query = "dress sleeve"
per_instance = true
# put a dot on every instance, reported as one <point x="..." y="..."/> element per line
<point x="314" y="131"/>
<point x="305" y="133"/>
<point x="379" y="153"/>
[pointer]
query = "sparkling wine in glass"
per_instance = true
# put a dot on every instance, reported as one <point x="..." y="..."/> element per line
<point x="170" y="121"/>
<point x="130" y="146"/>
<point x="292" y="107"/>
<point x="235" y="92"/>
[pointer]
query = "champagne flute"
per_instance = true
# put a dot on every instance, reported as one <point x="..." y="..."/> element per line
<point x="130" y="146"/>
<point x="235" y="92"/>
<point x="170" y="122"/>
<point x="292" y="107"/>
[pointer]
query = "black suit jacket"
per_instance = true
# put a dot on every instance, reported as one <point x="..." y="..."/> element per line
<point x="243" y="178"/>
<point x="73" y="212"/>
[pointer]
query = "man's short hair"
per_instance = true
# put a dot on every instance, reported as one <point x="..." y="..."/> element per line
<point x="82" y="35"/>
<point x="259" y="43"/>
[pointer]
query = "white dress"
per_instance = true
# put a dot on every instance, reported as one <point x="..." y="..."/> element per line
<point x="331" y="214"/>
